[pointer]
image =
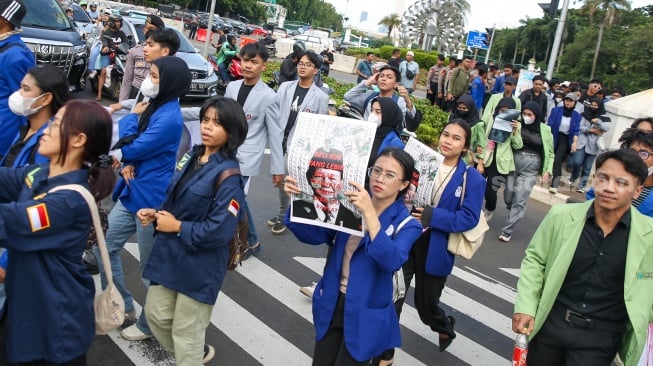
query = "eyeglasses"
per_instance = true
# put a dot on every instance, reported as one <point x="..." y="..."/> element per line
<point x="303" y="65"/>
<point x="52" y="125"/>
<point x="375" y="172"/>
<point x="644" y="154"/>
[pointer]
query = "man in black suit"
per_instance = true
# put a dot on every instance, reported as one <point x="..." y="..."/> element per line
<point x="324" y="174"/>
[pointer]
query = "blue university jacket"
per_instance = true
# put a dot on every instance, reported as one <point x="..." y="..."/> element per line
<point x="371" y="324"/>
<point x="450" y="217"/>
<point x="153" y="156"/>
<point x="32" y="143"/>
<point x="194" y="262"/>
<point x="554" y="122"/>
<point x="49" y="291"/>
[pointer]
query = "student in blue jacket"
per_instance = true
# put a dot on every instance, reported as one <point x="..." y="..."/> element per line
<point x="149" y="138"/>
<point x="194" y="227"/>
<point x="353" y="312"/>
<point x="49" y="291"/>
<point x="429" y="260"/>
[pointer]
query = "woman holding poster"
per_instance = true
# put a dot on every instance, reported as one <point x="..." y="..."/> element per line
<point x="359" y="270"/>
<point x="448" y="212"/>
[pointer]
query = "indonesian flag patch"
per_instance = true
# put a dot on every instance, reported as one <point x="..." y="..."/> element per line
<point x="234" y="207"/>
<point x="38" y="217"/>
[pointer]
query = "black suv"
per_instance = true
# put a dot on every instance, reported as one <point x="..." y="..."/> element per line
<point x="48" y="32"/>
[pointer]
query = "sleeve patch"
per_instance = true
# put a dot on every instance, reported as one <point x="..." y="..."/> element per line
<point x="233" y="207"/>
<point x="38" y="217"/>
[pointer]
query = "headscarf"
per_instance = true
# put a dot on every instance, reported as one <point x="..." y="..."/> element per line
<point x="590" y="113"/>
<point x="537" y="111"/>
<point x="174" y="82"/>
<point x="391" y="120"/>
<point x="504" y="102"/>
<point x="472" y="116"/>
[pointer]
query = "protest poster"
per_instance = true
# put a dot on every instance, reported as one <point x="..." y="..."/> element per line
<point x="502" y="126"/>
<point x="325" y="153"/>
<point x="525" y="81"/>
<point x="427" y="163"/>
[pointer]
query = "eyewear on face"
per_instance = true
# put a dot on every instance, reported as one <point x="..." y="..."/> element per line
<point x="303" y="65"/>
<point x="644" y="154"/>
<point x="387" y="177"/>
<point x="53" y="124"/>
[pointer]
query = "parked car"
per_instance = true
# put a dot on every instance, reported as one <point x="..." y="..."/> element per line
<point x="278" y="32"/>
<point x="258" y="31"/>
<point x="48" y="32"/>
<point x="314" y="43"/>
<point x="83" y="22"/>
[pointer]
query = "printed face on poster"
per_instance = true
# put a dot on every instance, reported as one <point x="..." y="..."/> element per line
<point x="427" y="163"/>
<point x="325" y="154"/>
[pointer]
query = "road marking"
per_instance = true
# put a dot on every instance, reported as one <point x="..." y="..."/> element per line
<point x="463" y="348"/>
<point x="513" y="271"/>
<point x="495" y="287"/>
<point x="287" y="292"/>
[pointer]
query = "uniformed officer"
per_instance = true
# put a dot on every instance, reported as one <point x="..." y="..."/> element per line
<point x="136" y="67"/>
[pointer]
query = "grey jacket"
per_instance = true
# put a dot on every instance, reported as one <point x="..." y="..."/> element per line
<point x="316" y="101"/>
<point x="357" y="96"/>
<point x="586" y="139"/>
<point x="264" y="129"/>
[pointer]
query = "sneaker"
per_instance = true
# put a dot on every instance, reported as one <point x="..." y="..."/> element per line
<point x="581" y="190"/>
<point x="130" y="319"/>
<point x="132" y="333"/>
<point x="308" y="290"/>
<point x="92" y="74"/>
<point x="488" y="215"/>
<point x="278" y="228"/>
<point x="570" y="182"/>
<point x="251" y="250"/>
<point x="274" y="220"/>
<point x="504" y="237"/>
<point x="209" y="353"/>
<point x="553" y="190"/>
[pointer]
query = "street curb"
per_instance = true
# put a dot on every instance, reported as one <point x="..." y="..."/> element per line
<point x="543" y="195"/>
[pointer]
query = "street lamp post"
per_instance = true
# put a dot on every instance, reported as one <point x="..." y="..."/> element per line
<point x="558" y="39"/>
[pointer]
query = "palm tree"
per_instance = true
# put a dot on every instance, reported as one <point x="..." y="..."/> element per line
<point x="611" y="9"/>
<point x="391" y="21"/>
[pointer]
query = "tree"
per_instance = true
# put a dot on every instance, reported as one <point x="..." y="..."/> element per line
<point x="611" y="10"/>
<point x="391" y="21"/>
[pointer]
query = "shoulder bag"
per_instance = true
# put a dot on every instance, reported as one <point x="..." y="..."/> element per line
<point x="398" y="283"/>
<point x="109" y="306"/>
<point x="465" y="244"/>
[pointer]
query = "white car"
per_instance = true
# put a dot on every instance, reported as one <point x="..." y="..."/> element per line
<point x="314" y="43"/>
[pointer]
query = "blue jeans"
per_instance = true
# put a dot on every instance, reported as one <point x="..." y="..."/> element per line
<point x="224" y="72"/>
<point x="252" y="236"/>
<point x="122" y="225"/>
<point x="582" y="163"/>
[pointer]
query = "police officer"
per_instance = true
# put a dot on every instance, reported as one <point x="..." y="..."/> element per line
<point x="136" y="67"/>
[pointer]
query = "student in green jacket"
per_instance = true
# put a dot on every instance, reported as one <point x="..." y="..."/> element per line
<point x="467" y="111"/>
<point x="499" y="161"/>
<point x="227" y="52"/>
<point x="533" y="159"/>
<point x="584" y="293"/>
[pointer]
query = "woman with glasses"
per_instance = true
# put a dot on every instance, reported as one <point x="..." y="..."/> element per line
<point x="353" y="312"/>
<point x="50" y="293"/>
<point x="449" y="212"/>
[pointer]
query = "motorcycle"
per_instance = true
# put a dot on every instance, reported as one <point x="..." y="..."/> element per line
<point x="268" y="42"/>
<point x="235" y="70"/>
<point x="114" y="73"/>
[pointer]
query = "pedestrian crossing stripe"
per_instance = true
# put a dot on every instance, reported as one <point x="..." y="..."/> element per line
<point x="269" y="347"/>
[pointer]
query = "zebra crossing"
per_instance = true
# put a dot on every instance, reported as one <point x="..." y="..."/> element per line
<point x="261" y="318"/>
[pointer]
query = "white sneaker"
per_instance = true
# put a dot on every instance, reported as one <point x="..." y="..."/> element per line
<point x="209" y="353"/>
<point x="92" y="74"/>
<point x="308" y="290"/>
<point x="553" y="190"/>
<point x="132" y="333"/>
<point x="488" y="215"/>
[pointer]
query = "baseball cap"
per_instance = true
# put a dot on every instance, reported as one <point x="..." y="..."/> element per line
<point x="565" y="84"/>
<point x="410" y="53"/>
<point x="13" y="11"/>
<point x="510" y="80"/>
<point x="572" y="96"/>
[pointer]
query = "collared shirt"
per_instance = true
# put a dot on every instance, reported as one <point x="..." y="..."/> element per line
<point x="594" y="285"/>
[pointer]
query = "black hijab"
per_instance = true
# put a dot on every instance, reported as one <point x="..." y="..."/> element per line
<point x="537" y="111"/>
<point x="174" y="82"/>
<point x="590" y="113"/>
<point x="504" y="102"/>
<point x="472" y="116"/>
<point x="391" y="120"/>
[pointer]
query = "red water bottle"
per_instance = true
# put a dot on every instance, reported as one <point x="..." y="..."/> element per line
<point x="520" y="351"/>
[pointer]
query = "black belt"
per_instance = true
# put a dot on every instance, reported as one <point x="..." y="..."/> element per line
<point x="583" y="321"/>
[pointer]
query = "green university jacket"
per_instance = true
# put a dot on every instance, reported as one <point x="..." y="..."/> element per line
<point x="549" y="154"/>
<point x="549" y="256"/>
<point x="503" y="152"/>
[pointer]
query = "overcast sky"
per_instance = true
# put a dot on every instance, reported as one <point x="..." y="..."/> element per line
<point x="505" y="13"/>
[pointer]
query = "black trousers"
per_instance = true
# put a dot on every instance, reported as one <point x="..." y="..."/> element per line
<point x="331" y="350"/>
<point x="562" y="150"/>
<point x="565" y="344"/>
<point x="495" y="181"/>
<point x="433" y="97"/>
<point x="79" y="361"/>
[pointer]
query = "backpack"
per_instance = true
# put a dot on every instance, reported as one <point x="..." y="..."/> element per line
<point x="237" y="244"/>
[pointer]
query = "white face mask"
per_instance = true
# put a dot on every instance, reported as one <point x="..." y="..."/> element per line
<point x="149" y="89"/>
<point x="21" y="105"/>
<point x="528" y="120"/>
<point x="558" y="100"/>
<point x="374" y="118"/>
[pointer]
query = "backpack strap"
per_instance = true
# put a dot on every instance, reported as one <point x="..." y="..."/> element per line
<point x="8" y="46"/>
<point x="224" y="175"/>
<point x="395" y="98"/>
